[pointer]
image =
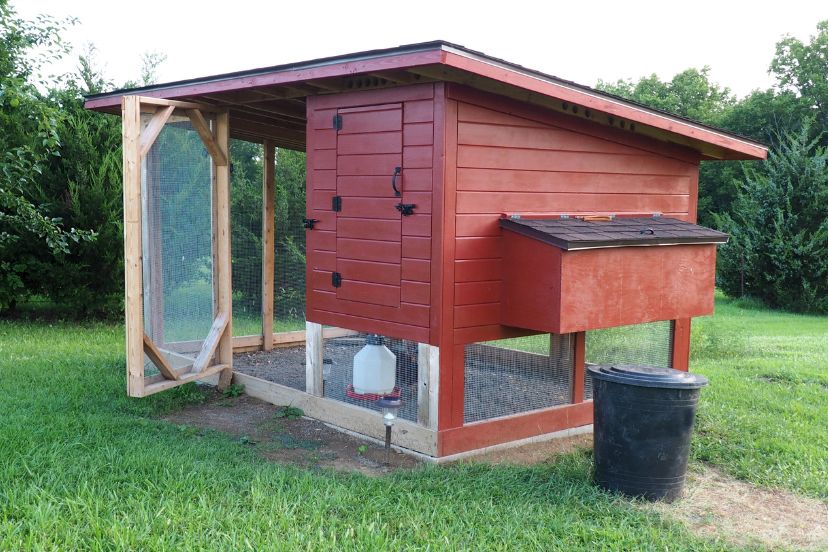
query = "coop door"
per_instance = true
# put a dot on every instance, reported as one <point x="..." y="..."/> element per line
<point x="176" y="244"/>
<point x="368" y="216"/>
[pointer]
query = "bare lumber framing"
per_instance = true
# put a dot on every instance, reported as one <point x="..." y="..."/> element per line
<point x="313" y="358"/>
<point x="268" y="242"/>
<point x="353" y="418"/>
<point x="133" y="277"/>
<point x="208" y="349"/>
<point x="158" y="358"/>
<point x="200" y="124"/>
<point x="154" y="128"/>
<point x="184" y="378"/>
<point x="428" y="375"/>
<point x="222" y="260"/>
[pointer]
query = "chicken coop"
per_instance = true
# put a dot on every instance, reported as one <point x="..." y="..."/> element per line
<point x="469" y="235"/>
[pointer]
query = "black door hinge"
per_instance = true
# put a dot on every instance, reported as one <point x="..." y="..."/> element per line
<point x="336" y="203"/>
<point x="337" y="122"/>
<point x="405" y="208"/>
<point x="308" y="223"/>
<point x="336" y="279"/>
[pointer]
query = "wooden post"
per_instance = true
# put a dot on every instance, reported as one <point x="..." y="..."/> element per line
<point x="681" y="344"/>
<point x="313" y="358"/>
<point x="268" y="244"/>
<point x="428" y="375"/>
<point x="579" y="361"/>
<point x="222" y="260"/>
<point x="133" y="277"/>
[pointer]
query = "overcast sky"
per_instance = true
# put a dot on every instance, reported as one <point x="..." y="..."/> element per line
<point x="580" y="41"/>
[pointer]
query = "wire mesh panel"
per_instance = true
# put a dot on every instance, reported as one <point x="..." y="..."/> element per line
<point x="246" y="236"/>
<point x="511" y="376"/>
<point x="338" y="372"/>
<point x="177" y="239"/>
<point x="289" y="279"/>
<point x="650" y="343"/>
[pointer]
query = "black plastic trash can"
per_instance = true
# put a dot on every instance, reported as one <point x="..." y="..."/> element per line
<point x="642" y="427"/>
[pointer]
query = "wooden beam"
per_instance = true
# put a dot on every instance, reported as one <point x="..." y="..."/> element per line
<point x="133" y="278"/>
<point x="208" y="349"/>
<point x="579" y="361"/>
<point x="428" y="375"/>
<point x="353" y="418"/>
<point x="313" y="358"/>
<point x="681" y="344"/>
<point x="222" y="260"/>
<point x="201" y="126"/>
<point x="268" y="242"/>
<point x="157" y="358"/>
<point x="186" y="377"/>
<point x="179" y="104"/>
<point x="154" y="128"/>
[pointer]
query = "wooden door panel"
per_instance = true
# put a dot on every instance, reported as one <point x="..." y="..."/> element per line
<point x="369" y="227"/>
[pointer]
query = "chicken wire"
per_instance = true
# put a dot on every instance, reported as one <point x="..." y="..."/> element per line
<point x="289" y="277"/>
<point x="511" y="376"/>
<point x="338" y="359"/>
<point x="176" y="191"/>
<point x="650" y="343"/>
<point x="246" y="241"/>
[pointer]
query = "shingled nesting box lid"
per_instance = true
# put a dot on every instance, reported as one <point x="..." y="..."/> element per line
<point x="572" y="234"/>
<point x="564" y="275"/>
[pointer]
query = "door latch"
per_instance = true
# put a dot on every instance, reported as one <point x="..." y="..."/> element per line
<point x="309" y="222"/>
<point x="405" y="208"/>
<point x="336" y="279"/>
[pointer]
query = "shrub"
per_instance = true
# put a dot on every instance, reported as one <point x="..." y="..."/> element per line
<point x="778" y="251"/>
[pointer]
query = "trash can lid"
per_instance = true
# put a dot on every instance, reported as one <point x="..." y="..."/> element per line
<point x="648" y="376"/>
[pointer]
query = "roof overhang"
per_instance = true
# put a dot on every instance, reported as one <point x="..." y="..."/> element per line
<point x="269" y="103"/>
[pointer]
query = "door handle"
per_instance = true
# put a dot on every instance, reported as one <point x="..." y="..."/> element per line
<point x="397" y="171"/>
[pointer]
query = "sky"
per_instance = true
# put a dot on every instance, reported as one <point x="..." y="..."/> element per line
<point x="579" y="41"/>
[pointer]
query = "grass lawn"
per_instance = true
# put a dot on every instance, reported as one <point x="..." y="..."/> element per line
<point x="84" y="467"/>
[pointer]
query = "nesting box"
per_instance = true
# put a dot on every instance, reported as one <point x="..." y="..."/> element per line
<point x="489" y="220"/>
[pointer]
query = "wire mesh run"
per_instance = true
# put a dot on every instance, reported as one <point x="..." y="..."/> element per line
<point x="246" y="237"/>
<point x="512" y="376"/>
<point x="177" y="240"/>
<point x="338" y="359"/>
<point x="650" y="344"/>
<point x="289" y="277"/>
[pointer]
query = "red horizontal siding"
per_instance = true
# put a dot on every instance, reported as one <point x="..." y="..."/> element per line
<point x="516" y="164"/>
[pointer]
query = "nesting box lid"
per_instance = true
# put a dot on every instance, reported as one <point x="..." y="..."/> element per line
<point x="572" y="234"/>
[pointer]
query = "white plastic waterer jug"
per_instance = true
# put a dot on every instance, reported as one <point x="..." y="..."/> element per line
<point x="375" y="368"/>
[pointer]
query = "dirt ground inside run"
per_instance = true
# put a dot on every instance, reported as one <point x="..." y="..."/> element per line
<point x="714" y="504"/>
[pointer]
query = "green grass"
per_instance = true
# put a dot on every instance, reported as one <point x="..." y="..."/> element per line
<point x="84" y="467"/>
<point x="764" y="416"/>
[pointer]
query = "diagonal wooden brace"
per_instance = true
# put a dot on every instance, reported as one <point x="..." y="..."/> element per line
<point x="211" y="343"/>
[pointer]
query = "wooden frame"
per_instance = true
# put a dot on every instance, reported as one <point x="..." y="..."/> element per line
<point x="353" y="418"/>
<point x="216" y="353"/>
<point x="268" y="241"/>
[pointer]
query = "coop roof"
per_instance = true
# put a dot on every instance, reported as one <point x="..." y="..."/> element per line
<point x="269" y="103"/>
<point x="573" y="233"/>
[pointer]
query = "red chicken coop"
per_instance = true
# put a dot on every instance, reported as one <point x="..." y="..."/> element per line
<point x="472" y="235"/>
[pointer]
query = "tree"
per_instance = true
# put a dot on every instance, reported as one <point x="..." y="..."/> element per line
<point x="803" y="69"/>
<point x="688" y="94"/>
<point x="778" y="251"/>
<point x="28" y="143"/>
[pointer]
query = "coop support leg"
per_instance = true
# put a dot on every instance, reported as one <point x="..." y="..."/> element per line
<point x="313" y="358"/>
<point x="428" y="376"/>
